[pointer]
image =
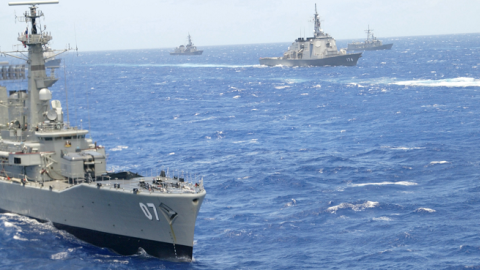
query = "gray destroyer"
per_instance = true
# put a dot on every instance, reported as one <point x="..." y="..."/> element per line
<point x="319" y="50"/>
<point x="370" y="44"/>
<point x="50" y="60"/>
<point x="52" y="172"/>
<point x="189" y="49"/>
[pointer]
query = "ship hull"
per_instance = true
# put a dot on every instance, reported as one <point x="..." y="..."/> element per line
<point x="111" y="218"/>
<point x="54" y="63"/>
<point x="376" y="48"/>
<point x="125" y="245"/>
<point x="341" y="60"/>
<point x="187" y="53"/>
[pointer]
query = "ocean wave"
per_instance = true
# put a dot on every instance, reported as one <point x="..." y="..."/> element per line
<point x="425" y="210"/>
<point x="119" y="148"/>
<point x="455" y="82"/>
<point x="401" y="183"/>
<point x="59" y="256"/>
<point x="354" y="207"/>
<point x="402" y="148"/>
<point x="249" y="141"/>
<point x="439" y="162"/>
<point x="382" y="219"/>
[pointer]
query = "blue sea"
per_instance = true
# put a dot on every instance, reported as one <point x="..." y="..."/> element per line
<point x="375" y="166"/>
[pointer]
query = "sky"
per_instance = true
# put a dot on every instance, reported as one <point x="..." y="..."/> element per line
<point x="98" y="25"/>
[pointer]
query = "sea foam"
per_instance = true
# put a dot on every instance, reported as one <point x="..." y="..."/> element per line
<point x="354" y="207"/>
<point x="455" y="82"/>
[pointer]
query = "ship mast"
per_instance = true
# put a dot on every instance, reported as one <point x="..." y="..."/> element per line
<point x="318" y="32"/>
<point x="369" y="31"/>
<point x="189" y="40"/>
<point x="37" y="78"/>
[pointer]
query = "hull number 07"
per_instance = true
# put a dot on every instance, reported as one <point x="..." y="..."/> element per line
<point x="147" y="212"/>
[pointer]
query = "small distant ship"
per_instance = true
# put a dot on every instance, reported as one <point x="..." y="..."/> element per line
<point x="319" y="50"/>
<point x="50" y="60"/>
<point x="189" y="49"/>
<point x="371" y="44"/>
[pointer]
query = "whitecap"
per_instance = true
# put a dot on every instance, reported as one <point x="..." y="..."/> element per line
<point x="438" y="162"/>
<point x="400" y="183"/>
<point x="354" y="207"/>
<point x="304" y="94"/>
<point x="59" y="256"/>
<point x="282" y="87"/>
<point x="236" y="97"/>
<point x="16" y="237"/>
<point x="119" y="148"/>
<point x="292" y="203"/>
<point x="423" y="209"/>
<point x="382" y="219"/>
<point x="8" y="224"/>
<point x="402" y="148"/>
<point x="250" y="141"/>
<point x="455" y="82"/>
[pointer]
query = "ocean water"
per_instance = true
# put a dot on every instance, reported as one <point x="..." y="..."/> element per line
<point x="367" y="167"/>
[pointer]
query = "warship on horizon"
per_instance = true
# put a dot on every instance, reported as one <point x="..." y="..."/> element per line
<point x="319" y="50"/>
<point x="52" y="172"/>
<point x="189" y="49"/>
<point x="370" y="44"/>
<point x="50" y="60"/>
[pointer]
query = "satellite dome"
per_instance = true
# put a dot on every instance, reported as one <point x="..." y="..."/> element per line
<point x="45" y="94"/>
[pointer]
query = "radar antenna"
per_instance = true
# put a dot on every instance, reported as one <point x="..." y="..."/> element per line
<point x="39" y="2"/>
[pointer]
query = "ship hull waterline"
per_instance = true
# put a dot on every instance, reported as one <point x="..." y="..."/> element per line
<point x="376" y="48"/>
<point x="108" y="218"/>
<point x="341" y="60"/>
<point x="188" y="53"/>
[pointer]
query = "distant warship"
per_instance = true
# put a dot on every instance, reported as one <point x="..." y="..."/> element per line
<point x="52" y="172"/>
<point x="319" y="50"/>
<point x="50" y="60"/>
<point x="370" y="44"/>
<point x="190" y="49"/>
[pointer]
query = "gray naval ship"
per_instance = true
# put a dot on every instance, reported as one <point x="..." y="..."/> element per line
<point x="370" y="44"/>
<point x="50" y="60"/>
<point x="189" y="49"/>
<point x="52" y="172"/>
<point x="319" y="50"/>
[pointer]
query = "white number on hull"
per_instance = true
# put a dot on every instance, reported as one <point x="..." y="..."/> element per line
<point x="349" y="59"/>
<point x="147" y="212"/>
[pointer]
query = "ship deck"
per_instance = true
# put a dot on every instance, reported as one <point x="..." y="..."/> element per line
<point x="151" y="185"/>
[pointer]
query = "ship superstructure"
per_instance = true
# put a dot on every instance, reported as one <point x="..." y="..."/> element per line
<point x="319" y="50"/>
<point x="370" y="44"/>
<point x="189" y="49"/>
<point x="52" y="171"/>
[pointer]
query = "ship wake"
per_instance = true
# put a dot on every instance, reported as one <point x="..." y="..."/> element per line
<point x="455" y="82"/>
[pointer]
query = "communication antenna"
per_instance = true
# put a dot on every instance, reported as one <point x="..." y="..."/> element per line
<point x="88" y="109"/>
<point x="75" y="30"/>
<point x="66" y="90"/>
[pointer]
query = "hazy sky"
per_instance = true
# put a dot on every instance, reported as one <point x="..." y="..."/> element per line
<point x="121" y="24"/>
